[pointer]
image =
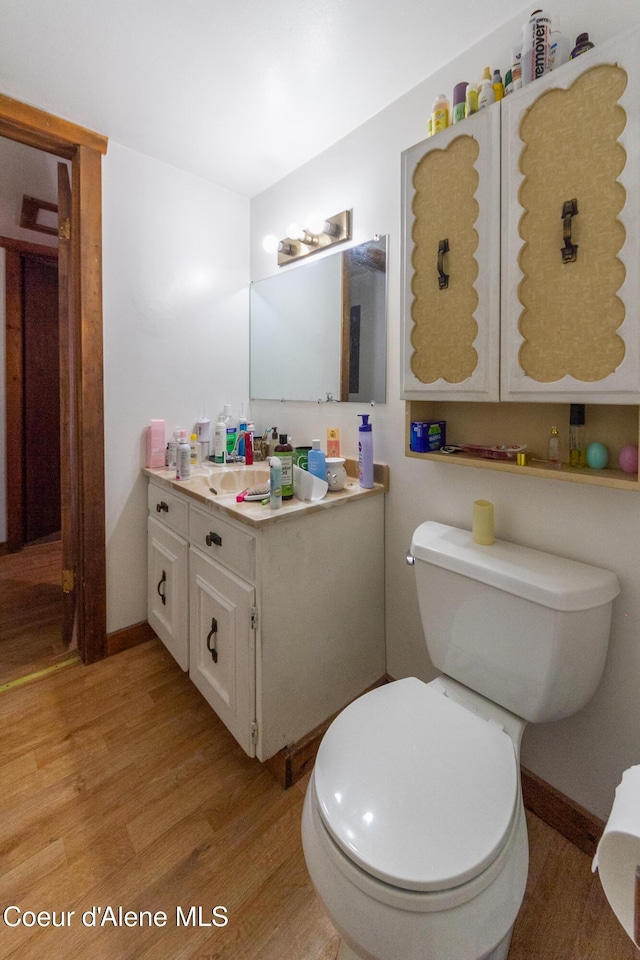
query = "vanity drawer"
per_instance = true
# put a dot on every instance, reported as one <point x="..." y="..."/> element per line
<point x="168" y="508"/>
<point x="225" y="543"/>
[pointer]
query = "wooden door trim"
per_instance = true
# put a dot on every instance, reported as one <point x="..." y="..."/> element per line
<point x="15" y="251"/>
<point x="84" y="148"/>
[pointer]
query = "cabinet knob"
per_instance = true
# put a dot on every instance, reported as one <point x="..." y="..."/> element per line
<point x="570" y="249"/>
<point x="443" y="278"/>
<point x="213" y="538"/>
<point x="162" y="507"/>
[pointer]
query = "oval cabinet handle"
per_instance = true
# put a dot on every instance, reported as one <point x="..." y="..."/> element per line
<point x="161" y="593"/>
<point x="443" y="278"/>
<point x="211" y="647"/>
<point x="213" y="538"/>
<point x="570" y="249"/>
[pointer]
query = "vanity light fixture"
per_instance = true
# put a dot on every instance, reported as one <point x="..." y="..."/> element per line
<point x="301" y="242"/>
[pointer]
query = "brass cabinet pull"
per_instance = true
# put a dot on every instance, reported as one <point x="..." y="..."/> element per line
<point x="213" y="633"/>
<point x="443" y="278"/>
<point x="570" y="250"/>
<point x="161" y="594"/>
<point x="162" y="506"/>
<point x="212" y="538"/>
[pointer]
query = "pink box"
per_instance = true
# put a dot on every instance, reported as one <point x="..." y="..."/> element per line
<point x="156" y="442"/>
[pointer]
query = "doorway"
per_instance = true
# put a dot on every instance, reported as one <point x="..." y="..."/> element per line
<point x="83" y="583"/>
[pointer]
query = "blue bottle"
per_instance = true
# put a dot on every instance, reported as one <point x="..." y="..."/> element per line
<point x="316" y="461"/>
<point x="365" y="452"/>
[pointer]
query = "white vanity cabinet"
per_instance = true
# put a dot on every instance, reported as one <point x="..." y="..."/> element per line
<point x="167" y="578"/>
<point x="286" y="610"/>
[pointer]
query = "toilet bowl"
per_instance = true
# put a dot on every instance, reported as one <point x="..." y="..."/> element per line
<point x="413" y="824"/>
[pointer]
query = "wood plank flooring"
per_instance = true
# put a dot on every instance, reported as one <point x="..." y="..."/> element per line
<point x="119" y="787"/>
<point x="31" y="611"/>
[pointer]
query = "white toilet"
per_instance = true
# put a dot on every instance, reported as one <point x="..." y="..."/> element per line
<point x="413" y="826"/>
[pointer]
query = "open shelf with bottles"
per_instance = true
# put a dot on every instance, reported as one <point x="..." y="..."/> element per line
<point x="530" y="424"/>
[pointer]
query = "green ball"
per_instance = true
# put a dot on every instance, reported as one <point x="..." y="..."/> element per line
<point x="597" y="455"/>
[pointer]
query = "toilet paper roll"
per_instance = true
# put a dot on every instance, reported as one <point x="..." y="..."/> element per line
<point x="618" y="855"/>
<point x="482" y="525"/>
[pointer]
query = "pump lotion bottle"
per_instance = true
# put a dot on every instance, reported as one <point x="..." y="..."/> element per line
<point x="365" y="452"/>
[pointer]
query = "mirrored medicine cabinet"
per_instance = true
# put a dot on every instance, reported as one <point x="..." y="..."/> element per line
<point x="318" y="330"/>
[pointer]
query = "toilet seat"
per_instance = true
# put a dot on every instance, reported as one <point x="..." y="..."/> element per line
<point x="415" y="789"/>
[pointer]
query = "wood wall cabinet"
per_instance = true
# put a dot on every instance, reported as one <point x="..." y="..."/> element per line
<point x="557" y="317"/>
<point x="451" y="258"/>
<point x="284" y="618"/>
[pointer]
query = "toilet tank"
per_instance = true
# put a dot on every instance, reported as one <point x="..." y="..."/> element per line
<point x="526" y="629"/>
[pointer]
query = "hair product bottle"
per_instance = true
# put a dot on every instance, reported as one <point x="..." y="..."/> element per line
<point x="220" y="441"/>
<point x="183" y="457"/>
<point x="365" y="452"/>
<point x="275" y="482"/>
<point x="284" y="453"/>
<point x="536" y="46"/>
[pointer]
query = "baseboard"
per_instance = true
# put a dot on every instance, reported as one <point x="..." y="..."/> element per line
<point x="562" y="813"/>
<point x="292" y="763"/>
<point x="129" y="637"/>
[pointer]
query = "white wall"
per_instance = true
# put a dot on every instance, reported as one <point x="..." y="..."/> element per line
<point x="585" y="755"/>
<point x="176" y="336"/>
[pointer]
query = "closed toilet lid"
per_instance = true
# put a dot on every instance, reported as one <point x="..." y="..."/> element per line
<point x="415" y="788"/>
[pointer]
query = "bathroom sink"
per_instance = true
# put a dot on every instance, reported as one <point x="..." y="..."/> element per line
<point x="234" y="479"/>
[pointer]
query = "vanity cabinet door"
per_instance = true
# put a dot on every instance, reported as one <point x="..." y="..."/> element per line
<point x="167" y="589"/>
<point x="451" y="262"/>
<point x="571" y="214"/>
<point x="222" y="645"/>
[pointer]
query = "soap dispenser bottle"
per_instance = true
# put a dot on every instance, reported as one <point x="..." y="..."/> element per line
<point x="365" y="452"/>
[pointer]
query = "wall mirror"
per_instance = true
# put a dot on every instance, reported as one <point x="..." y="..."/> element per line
<point x="319" y="329"/>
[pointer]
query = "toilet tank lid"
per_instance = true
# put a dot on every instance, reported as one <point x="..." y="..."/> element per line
<point x="544" y="578"/>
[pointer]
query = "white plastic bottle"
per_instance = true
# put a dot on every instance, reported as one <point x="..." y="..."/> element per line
<point x="560" y="47"/>
<point x="275" y="483"/>
<point x="365" y="452"/>
<point x="231" y="428"/>
<point x="220" y="441"/>
<point x="440" y="114"/>
<point x="536" y="46"/>
<point x="183" y="457"/>
<point x="173" y="446"/>
<point x="316" y="461"/>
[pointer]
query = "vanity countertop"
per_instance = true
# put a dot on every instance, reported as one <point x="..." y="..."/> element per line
<point x="253" y="512"/>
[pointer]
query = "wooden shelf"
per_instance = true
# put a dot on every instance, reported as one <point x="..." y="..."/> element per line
<point x="530" y="424"/>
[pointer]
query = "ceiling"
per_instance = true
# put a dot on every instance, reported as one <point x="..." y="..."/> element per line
<point x="240" y="92"/>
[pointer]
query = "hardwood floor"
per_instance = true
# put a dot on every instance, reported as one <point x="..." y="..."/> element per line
<point x="31" y="611"/>
<point x="119" y="787"/>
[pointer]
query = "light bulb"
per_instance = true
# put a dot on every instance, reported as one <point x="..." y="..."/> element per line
<point x="270" y="243"/>
<point x="295" y="231"/>
<point x="315" y="222"/>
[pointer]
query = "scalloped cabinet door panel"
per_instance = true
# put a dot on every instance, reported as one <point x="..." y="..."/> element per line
<point x="451" y="262"/>
<point x="570" y="329"/>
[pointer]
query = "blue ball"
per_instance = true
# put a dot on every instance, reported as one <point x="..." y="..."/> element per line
<point x="597" y="455"/>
